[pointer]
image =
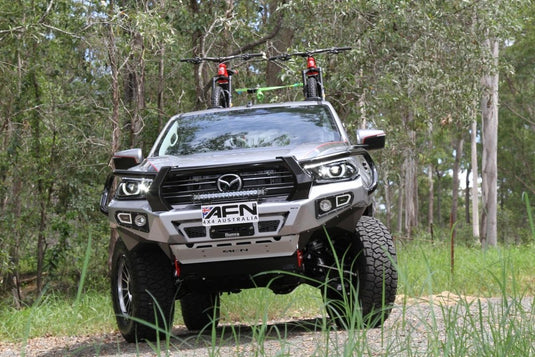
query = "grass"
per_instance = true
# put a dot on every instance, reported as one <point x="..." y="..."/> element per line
<point x="424" y="270"/>
<point x="56" y="315"/>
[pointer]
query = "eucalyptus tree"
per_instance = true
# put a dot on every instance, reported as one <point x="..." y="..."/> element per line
<point x="48" y="120"/>
<point x="496" y="22"/>
<point x="409" y="71"/>
<point x="517" y="129"/>
<point x="418" y="68"/>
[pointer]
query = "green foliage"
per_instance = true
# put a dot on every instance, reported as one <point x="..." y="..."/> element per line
<point x="415" y="69"/>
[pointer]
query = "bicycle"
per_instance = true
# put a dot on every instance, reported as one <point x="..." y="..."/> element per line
<point x="313" y="88"/>
<point x="222" y="82"/>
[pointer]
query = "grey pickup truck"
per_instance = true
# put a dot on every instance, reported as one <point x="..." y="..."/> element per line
<point x="271" y="195"/>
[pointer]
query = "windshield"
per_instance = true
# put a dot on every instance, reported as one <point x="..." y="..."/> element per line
<point x="248" y="128"/>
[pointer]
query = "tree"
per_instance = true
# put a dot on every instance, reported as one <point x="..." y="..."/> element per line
<point x="81" y="80"/>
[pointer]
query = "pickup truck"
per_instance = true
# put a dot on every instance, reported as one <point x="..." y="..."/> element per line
<point x="270" y="195"/>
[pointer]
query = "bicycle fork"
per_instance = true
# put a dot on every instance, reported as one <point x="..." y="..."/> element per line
<point x="314" y="71"/>
<point x="224" y="80"/>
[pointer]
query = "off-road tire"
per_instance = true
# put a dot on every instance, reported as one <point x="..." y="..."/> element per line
<point x="369" y="263"/>
<point x="200" y="309"/>
<point x="140" y="278"/>
<point x="220" y="97"/>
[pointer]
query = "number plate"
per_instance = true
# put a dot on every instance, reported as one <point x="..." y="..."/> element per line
<point x="229" y="213"/>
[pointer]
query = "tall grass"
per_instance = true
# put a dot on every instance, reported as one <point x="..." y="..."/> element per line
<point x="525" y="197"/>
<point x="253" y="318"/>
<point x="56" y="315"/>
<point x="87" y="256"/>
<point x="425" y="269"/>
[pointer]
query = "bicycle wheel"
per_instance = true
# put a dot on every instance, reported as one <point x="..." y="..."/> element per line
<point x="220" y="97"/>
<point x="311" y="89"/>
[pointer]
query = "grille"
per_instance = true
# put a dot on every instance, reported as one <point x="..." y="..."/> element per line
<point x="268" y="226"/>
<point x="259" y="182"/>
<point x="196" y="232"/>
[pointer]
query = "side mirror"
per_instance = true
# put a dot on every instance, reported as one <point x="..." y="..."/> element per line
<point x="126" y="159"/>
<point x="371" y="139"/>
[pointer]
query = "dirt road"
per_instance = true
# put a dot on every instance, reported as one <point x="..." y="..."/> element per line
<point x="445" y="324"/>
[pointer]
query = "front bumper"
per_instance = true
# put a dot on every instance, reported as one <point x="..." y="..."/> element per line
<point x="290" y="208"/>
<point x="276" y="233"/>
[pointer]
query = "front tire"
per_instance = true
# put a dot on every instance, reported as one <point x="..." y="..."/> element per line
<point x="142" y="289"/>
<point x="368" y="276"/>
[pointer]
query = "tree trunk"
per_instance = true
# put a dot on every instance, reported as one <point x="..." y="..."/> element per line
<point x="37" y="152"/>
<point x="489" y="167"/>
<point x="137" y="81"/>
<point x="411" y="187"/>
<point x="439" y="196"/>
<point x="280" y="43"/>
<point x="13" y="276"/>
<point x="198" y="51"/>
<point x="115" y="94"/>
<point x="467" y="196"/>
<point x="455" y="189"/>
<point x="431" y="198"/>
<point x="161" y="87"/>
<point x="115" y="120"/>
<point x="388" y="204"/>
<point x="475" y="184"/>
<point x="400" y="204"/>
<point x="161" y="78"/>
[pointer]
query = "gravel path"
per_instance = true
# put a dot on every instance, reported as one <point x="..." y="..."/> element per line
<point x="441" y="325"/>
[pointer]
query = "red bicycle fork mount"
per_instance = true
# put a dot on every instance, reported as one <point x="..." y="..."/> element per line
<point x="224" y="73"/>
<point x="312" y="69"/>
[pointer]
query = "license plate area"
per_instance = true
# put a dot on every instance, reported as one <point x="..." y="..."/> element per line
<point x="229" y="214"/>
<point x="232" y="231"/>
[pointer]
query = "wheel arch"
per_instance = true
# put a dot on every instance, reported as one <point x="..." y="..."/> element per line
<point x="132" y="241"/>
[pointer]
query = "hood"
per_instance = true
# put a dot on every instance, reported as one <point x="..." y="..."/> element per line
<point x="301" y="152"/>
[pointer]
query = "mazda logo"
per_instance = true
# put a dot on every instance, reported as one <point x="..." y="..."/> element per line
<point x="229" y="182"/>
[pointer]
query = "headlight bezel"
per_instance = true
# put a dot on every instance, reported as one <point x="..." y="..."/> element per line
<point x="335" y="170"/>
<point x="133" y="188"/>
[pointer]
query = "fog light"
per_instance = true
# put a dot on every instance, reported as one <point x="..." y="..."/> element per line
<point x="140" y="220"/>
<point x="325" y="205"/>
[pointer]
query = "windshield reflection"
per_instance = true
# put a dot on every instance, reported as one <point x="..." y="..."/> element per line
<point x="249" y="128"/>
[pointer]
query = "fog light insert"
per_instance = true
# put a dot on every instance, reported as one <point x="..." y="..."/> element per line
<point x="325" y="205"/>
<point x="124" y="218"/>
<point x="140" y="220"/>
<point x="342" y="200"/>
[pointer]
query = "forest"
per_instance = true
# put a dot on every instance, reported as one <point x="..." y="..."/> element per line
<point x="450" y="82"/>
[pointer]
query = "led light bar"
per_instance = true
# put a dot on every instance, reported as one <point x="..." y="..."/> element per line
<point x="226" y="195"/>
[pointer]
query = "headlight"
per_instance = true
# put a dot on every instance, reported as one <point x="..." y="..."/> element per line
<point x="332" y="171"/>
<point x="133" y="188"/>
